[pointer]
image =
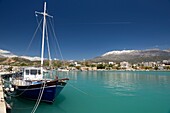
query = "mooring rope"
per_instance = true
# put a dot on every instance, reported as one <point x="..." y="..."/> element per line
<point x="39" y="99"/>
<point x="78" y="89"/>
<point x="86" y="93"/>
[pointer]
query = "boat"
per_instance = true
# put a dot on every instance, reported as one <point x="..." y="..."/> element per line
<point x="63" y="70"/>
<point x="33" y="84"/>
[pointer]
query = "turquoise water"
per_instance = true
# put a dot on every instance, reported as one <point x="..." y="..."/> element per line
<point x="107" y="92"/>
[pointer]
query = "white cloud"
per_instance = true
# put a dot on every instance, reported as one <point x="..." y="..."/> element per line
<point x="31" y="58"/>
<point x="4" y="51"/>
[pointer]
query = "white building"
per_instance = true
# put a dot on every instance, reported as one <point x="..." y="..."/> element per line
<point x="112" y="63"/>
<point x="76" y="64"/>
<point x="124" y="65"/>
<point x="149" y="64"/>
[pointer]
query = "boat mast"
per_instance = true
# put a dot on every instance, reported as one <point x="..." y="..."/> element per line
<point x="43" y="36"/>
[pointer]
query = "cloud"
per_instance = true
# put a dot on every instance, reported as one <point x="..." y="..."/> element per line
<point x="31" y="58"/>
<point x="4" y="51"/>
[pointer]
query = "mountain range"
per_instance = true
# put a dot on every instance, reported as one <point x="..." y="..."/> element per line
<point x="134" y="56"/>
<point x="8" y="54"/>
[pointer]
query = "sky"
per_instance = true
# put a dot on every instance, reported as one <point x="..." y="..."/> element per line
<point x="86" y="28"/>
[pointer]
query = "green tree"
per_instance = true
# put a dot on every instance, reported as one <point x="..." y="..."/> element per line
<point x="23" y="64"/>
<point x="10" y="68"/>
<point x="78" y="67"/>
<point x="92" y="65"/>
<point x="156" y="67"/>
<point x="71" y="65"/>
<point x="167" y="67"/>
<point x="100" y="66"/>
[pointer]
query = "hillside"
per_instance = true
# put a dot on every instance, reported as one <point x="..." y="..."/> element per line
<point x="134" y="56"/>
<point x="15" y="61"/>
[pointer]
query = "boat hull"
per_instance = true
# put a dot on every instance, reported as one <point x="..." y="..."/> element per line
<point x="32" y="92"/>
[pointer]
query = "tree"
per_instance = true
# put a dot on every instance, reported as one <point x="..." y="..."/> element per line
<point x="57" y="64"/>
<point x="23" y="64"/>
<point x="156" y="67"/>
<point x="71" y="65"/>
<point x="167" y="67"/>
<point x="147" y="67"/>
<point x="78" y="67"/>
<point x="92" y="65"/>
<point x="100" y="66"/>
<point x="9" y="69"/>
<point x="110" y="65"/>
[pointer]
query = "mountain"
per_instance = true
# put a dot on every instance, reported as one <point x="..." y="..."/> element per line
<point x="5" y="53"/>
<point x="134" y="56"/>
<point x="8" y="54"/>
<point x="31" y="58"/>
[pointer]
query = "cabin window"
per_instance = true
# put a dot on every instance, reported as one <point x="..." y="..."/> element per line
<point x="39" y="72"/>
<point x="27" y="72"/>
<point x="33" y="72"/>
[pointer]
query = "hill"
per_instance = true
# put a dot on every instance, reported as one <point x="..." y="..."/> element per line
<point x="134" y="56"/>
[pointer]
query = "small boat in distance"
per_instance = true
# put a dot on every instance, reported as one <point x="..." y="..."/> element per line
<point x="63" y="70"/>
<point x="32" y="84"/>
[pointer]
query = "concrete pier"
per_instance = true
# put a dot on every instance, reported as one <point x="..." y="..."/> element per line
<point x="2" y="101"/>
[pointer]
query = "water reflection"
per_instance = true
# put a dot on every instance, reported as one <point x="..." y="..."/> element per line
<point x="121" y="83"/>
<point x="129" y="83"/>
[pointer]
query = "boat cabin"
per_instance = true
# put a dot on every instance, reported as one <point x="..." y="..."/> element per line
<point x="32" y="73"/>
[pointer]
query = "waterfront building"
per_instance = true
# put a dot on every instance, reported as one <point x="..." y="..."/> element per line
<point x="149" y="64"/>
<point x="166" y="62"/>
<point x="124" y="65"/>
<point x="88" y="68"/>
<point x="112" y="63"/>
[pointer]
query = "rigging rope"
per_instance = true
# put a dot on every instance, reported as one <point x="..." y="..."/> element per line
<point x="34" y="35"/>
<point x="57" y="42"/>
<point x="38" y="21"/>
<point x="52" y="39"/>
<point x="48" y="46"/>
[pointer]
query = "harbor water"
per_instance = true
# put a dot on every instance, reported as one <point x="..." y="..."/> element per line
<point x="106" y="92"/>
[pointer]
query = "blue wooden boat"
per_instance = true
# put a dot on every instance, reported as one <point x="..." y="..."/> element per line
<point x="33" y="85"/>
